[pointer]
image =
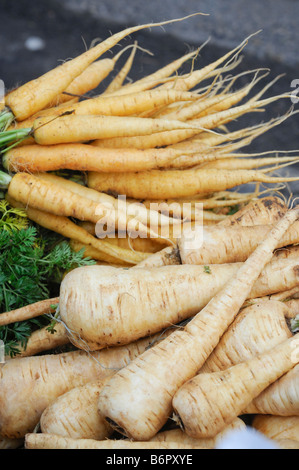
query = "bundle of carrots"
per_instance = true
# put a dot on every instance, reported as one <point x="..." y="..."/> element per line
<point x="189" y="320"/>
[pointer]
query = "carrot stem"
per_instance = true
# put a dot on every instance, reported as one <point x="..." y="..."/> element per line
<point x="5" y="179"/>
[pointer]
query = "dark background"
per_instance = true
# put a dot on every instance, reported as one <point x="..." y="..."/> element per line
<point x="68" y="27"/>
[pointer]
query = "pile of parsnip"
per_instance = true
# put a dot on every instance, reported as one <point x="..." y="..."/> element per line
<point x="188" y="322"/>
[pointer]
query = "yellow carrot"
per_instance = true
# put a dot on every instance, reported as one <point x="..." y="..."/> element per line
<point x="89" y="79"/>
<point x="43" y="340"/>
<point x="47" y="196"/>
<point x="118" y="80"/>
<point x="165" y="184"/>
<point x="69" y="229"/>
<point x="79" y="128"/>
<point x="84" y="157"/>
<point x="36" y="94"/>
<point x="29" y="311"/>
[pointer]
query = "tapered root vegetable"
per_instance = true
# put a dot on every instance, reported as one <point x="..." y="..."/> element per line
<point x="47" y="196"/>
<point x="102" y="303"/>
<point x="80" y="128"/>
<point x="89" y="79"/>
<point x="51" y="441"/>
<point x="37" y="94"/>
<point x="221" y="244"/>
<point x="29" y="311"/>
<point x="158" y="139"/>
<point x="43" y="340"/>
<point x="167" y="256"/>
<point x="129" y="104"/>
<point x="166" y="184"/>
<point x="84" y="157"/>
<point x="118" y="80"/>
<point x="277" y="427"/>
<point x="37" y="381"/>
<point x="152" y="80"/>
<point x="75" y="414"/>
<point x="267" y="210"/>
<point x="161" y="371"/>
<point x="279" y="399"/>
<point x="256" y="329"/>
<point x="263" y="211"/>
<point x="208" y="402"/>
<point x="137" y="211"/>
<point x="69" y="229"/>
<point x="178" y="435"/>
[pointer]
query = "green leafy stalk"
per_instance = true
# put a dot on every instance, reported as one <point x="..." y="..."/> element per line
<point x="9" y="139"/>
<point x="5" y="179"/>
<point x="29" y="268"/>
<point x="6" y="118"/>
<point x="295" y="324"/>
<point x="12" y="218"/>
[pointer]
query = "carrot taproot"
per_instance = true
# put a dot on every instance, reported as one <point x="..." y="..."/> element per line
<point x="242" y="162"/>
<point x="155" y="78"/>
<point x="129" y="104"/>
<point x="196" y="76"/>
<point x="133" y="213"/>
<point x="165" y="184"/>
<point x="139" y="244"/>
<point x="79" y="128"/>
<point x="29" y="311"/>
<point x="38" y="380"/>
<point x="158" y="139"/>
<point x="205" y="404"/>
<point x="119" y="79"/>
<point x="277" y="427"/>
<point x="146" y="245"/>
<point x="209" y="105"/>
<point x="36" y="94"/>
<point x="161" y="371"/>
<point x="43" y="340"/>
<point x="67" y="228"/>
<point x="48" y="196"/>
<point x="280" y="398"/>
<point x="51" y="441"/>
<point x="90" y="78"/>
<point x="83" y="157"/>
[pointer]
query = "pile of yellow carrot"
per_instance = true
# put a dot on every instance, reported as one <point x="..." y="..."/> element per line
<point x="189" y="320"/>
